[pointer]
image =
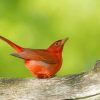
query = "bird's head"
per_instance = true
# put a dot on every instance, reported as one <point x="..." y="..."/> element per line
<point x="57" y="46"/>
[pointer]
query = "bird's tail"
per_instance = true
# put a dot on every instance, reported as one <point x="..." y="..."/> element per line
<point x="15" y="46"/>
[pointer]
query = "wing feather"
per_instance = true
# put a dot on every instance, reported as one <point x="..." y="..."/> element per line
<point x="38" y="55"/>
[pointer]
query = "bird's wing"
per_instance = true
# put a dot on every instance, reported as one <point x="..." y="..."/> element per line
<point x="38" y="55"/>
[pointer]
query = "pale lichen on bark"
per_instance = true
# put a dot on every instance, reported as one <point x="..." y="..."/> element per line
<point x="83" y="86"/>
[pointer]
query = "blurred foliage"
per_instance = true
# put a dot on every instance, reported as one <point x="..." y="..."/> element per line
<point x="38" y="23"/>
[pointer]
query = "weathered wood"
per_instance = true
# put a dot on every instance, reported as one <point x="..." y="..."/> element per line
<point x="83" y="86"/>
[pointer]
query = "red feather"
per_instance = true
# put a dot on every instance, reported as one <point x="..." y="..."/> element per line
<point x="38" y="55"/>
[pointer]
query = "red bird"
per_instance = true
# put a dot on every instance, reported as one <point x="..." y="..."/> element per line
<point x="42" y="63"/>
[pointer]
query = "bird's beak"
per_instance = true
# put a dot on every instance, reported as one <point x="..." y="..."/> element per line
<point x="64" y="40"/>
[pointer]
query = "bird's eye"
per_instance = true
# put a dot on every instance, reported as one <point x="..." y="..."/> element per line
<point x="57" y="44"/>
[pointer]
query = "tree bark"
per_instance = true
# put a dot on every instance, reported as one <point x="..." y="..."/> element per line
<point x="83" y="86"/>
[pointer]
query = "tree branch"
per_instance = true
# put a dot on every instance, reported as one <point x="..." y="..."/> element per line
<point x="83" y="86"/>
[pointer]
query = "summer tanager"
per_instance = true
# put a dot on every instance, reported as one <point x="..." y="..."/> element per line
<point x="42" y="63"/>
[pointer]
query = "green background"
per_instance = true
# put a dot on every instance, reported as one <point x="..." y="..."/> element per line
<point x="38" y="23"/>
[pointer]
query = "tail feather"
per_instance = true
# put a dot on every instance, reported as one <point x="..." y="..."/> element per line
<point x="15" y="46"/>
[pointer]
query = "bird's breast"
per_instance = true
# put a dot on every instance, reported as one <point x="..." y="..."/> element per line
<point x="37" y="67"/>
<point x="36" y="63"/>
<point x="42" y="69"/>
